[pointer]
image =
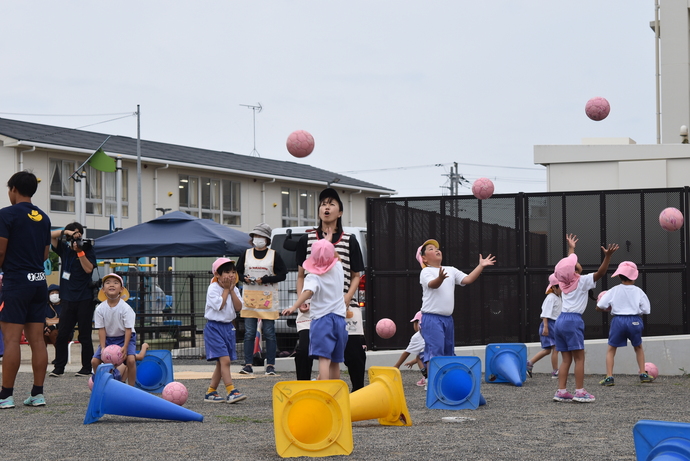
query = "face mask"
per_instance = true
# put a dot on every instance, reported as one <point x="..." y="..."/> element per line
<point x="54" y="298"/>
<point x="259" y="242"/>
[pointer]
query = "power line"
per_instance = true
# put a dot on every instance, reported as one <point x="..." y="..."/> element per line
<point x="443" y="164"/>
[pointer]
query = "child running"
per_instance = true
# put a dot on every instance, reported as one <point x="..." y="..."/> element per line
<point x="627" y="304"/>
<point x="416" y="348"/>
<point x="324" y="285"/>
<point x="570" y="328"/>
<point x="114" y="319"/>
<point x="222" y="304"/>
<point x="550" y="310"/>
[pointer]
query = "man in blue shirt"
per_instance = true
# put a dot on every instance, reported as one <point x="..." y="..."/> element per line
<point x="24" y="245"/>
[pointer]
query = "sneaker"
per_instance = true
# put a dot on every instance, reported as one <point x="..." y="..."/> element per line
<point x="83" y="372"/>
<point x="563" y="396"/>
<point x="645" y="378"/>
<point x="56" y="373"/>
<point x="7" y="403"/>
<point x="583" y="396"/>
<point x="608" y="381"/>
<point x="35" y="401"/>
<point x="425" y="385"/>
<point x="554" y="374"/>
<point x="529" y="368"/>
<point x="235" y="396"/>
<point x="421" y="382"/>
<point x="247" y="370"/>
<point x="213" y="397"/>
<point x="270" y="370"/>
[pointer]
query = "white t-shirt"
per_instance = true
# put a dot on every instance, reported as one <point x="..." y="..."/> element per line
<point x="625" y="300"/>
<point x="551" y="307"/>
<point x="328" y="292"/>
<point x="214" y="299"/>
<point x="114" y="319"/>
<point x="416" y="345"/>
<point x="440" y="300"/>
<point x="575" y="302"/>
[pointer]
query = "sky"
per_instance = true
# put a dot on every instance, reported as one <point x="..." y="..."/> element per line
<point x="394" y="92"/>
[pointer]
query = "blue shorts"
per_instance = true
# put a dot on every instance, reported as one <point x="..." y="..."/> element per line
<point x="624" y="328"/>
<point x="570" y="332"/>
<point x="120" y="341"/>
<point x="219" y="340"/>
<point x="328" y="338"/>
<point x="439" y="336"/>
<point x="548" y="341"/>
<point x="24" y="303"/>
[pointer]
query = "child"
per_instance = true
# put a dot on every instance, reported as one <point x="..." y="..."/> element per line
<point x="114" y="319"/>
<point x="550" y="310"/>
<point x="324" y="285"/>
<point x="570" y="328"/>
<point x="416" y="346"/>
<point x="222" y="304"/>
<point x="438" y="288"/>
<point x="627" y="304"/>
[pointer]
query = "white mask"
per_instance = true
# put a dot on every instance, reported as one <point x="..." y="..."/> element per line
<point x="259" y="242"/>
<point x="54" y="298"/>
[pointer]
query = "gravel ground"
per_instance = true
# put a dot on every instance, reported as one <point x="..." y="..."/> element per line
<point x="516" y="423"/>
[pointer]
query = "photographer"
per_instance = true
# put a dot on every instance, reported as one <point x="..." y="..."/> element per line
<point x="76" y="292"/>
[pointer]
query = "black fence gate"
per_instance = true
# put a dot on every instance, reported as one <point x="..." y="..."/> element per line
<point x="526" y="233"/>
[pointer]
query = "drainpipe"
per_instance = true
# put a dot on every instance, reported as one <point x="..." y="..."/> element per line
<point x="263" y="198"/>
<point x="21" y="157"/>
<point x="155" y="186"/>
<point x="350" y="200"/>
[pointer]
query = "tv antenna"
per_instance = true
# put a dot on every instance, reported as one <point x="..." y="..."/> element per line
<point x="254" y="109"/>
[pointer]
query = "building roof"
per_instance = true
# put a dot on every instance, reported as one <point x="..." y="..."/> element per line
<point x="47" y="135"/>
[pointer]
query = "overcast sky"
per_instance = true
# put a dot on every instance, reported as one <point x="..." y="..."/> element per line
<point x="388" y="89"/>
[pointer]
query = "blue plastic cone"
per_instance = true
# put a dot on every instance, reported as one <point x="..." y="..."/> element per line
<point x="662" y="440"/>
<point x="155" y="371"/>
<point x="110" y="396"/>
<point x="453" y="383"/>
<point x="506" y="363"/>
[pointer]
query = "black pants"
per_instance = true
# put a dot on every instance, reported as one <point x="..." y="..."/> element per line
<point x="303" y="363"/>
<point x="75" y="313"/>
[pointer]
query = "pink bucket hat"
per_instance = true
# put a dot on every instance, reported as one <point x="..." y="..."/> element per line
<point x="417" y="317"/>
<point x="553" y="281"/>
<point x="219" y="262"/>
<point x="418" y="254"/>
<point x="124" y="295"/>
<point x="322" y="257"/>
<point x="565" y="273"/>
<point x="628" y="269"/>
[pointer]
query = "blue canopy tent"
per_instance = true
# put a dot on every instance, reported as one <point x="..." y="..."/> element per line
<point x="174" y="234"/>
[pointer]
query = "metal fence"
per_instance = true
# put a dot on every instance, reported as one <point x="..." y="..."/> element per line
<point x="526" y="233"/>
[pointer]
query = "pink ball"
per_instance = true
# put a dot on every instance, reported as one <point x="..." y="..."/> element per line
<point x="300" y="143"/>
<point x="483" y="188"/>
<point x="671" y="219"/>
<point x="597" y="108"/>
<point x="651" y="369"/>
<point x="601" y="295"/>
<point x="175" y="392"/>
<point x="385" y="328"/>
<point x="112" y="354"/>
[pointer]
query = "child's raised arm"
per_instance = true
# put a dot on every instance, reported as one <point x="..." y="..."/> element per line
<point x="306" y="294"/>
<point x="572" y="240"/>
<point x="483" y="262"/>
<point x="608" y="252"/>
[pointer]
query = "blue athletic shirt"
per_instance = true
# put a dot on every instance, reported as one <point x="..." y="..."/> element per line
<point x="27" y="230"/>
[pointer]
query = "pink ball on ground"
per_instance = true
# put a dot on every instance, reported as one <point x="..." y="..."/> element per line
<point x="651" y="369"/>
<point x="175" y="392"/>
<point x="385" y="328"/>
<point x="671" y="219"/>
<point x="112" y="354"/>
<point x="483" y="188"/>
<point x="300" y="143"/>
<point x="597" y="108"/>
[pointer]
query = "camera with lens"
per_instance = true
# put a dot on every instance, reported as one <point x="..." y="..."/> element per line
<point x="252" y="280"/>
<point x="82" y="243"/>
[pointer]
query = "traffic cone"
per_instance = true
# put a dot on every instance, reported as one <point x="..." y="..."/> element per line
<point x="155" y="371"/>
<point x="454" y="383"/>
<point x="506" y="363"/>
<point x="661" y="440"/>
<point x="110" y="396"/>
<point x="382" y="399"/>
<point x="312" y="418"/>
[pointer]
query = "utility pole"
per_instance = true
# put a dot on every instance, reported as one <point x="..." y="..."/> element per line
<point x="254" y="109"/>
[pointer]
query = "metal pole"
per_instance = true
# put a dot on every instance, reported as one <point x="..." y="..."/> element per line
<point x="138" y="165"/>
<point x="657" y="41"/>
<point x="118" y="191"/>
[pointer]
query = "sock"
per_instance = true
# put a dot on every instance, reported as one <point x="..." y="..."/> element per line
<point x="562" y="391"/>
<point x="36" y="390"/>
<point x="6" y="392"/>
<point x="229" y="388"/>
<point x="580" y="390"/>
<point x="211" y="389"/>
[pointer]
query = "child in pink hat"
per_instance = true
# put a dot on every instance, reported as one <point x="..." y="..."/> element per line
<point x="550" y="310"/>
<point x="324" y="285"/>
<point x="570" y="328"/>
<point x="627" y="304"/>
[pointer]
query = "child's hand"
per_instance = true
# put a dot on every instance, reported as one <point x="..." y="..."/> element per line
<point x="288" y="311"/>
<point x="610" y="249"/>
<point x="441" y="275"/>
<point x="410" y="363"/>
<point x="572" y="240"/>
<point x="304" y="307"/>
<point x="488" y="261"/>
<point x="123" y="353"/>
<point x="545" y="331"/>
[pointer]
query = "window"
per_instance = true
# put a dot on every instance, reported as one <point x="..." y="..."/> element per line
<point x="211" y="198"/>
<point x="111" y="194"/>
<point x="300" y="207"/>
<point x="61" y="186"/>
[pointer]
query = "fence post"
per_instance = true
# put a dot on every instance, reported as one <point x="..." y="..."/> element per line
<point x="191" y="308"/>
